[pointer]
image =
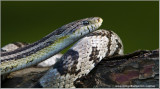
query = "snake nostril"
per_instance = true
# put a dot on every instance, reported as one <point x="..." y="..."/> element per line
<point x="98" y="20"/>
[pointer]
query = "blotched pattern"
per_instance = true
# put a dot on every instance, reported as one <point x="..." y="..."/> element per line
<point x="81" y="58"/>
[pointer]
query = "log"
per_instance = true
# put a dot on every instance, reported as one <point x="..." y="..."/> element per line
<point x="139" y="69"/>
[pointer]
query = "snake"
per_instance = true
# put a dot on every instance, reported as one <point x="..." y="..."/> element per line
<point x="92" y="46"/>
<point x="46" y="63"/>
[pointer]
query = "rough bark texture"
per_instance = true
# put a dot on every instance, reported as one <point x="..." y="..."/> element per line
<point x="138" y="69"/>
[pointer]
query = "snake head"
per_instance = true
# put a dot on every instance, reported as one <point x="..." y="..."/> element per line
<point x="82" y="27"/>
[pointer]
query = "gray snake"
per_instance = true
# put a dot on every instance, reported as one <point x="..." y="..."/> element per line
<point x="78" y="61"/>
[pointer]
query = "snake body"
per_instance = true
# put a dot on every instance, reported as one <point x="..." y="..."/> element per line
<point x="79" y="60"/>
<point x="17" y="45"/>
<point x="48" y="45"/>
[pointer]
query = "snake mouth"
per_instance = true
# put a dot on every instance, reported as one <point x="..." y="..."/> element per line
<point x="100" y="20"/>
<point x="97" y="22"/>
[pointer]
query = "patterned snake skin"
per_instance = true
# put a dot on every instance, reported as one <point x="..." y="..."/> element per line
<point x="80" y="59"/>
<point x="49" y="45"/>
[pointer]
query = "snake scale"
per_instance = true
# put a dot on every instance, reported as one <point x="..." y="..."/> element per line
<point x="78" y="61"/>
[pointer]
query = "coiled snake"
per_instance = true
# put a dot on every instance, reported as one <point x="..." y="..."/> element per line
<point x="78" y="61"/>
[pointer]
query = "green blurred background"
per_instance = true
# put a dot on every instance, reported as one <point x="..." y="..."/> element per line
<point x="137" y="22"/>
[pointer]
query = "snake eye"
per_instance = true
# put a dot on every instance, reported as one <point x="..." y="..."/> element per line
<point x="85" y="23"/>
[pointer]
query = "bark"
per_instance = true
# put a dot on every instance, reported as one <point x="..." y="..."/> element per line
<point x="138" y="69"/>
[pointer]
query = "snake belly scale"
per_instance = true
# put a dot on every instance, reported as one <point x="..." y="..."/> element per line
<point x="78" y="61"/>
